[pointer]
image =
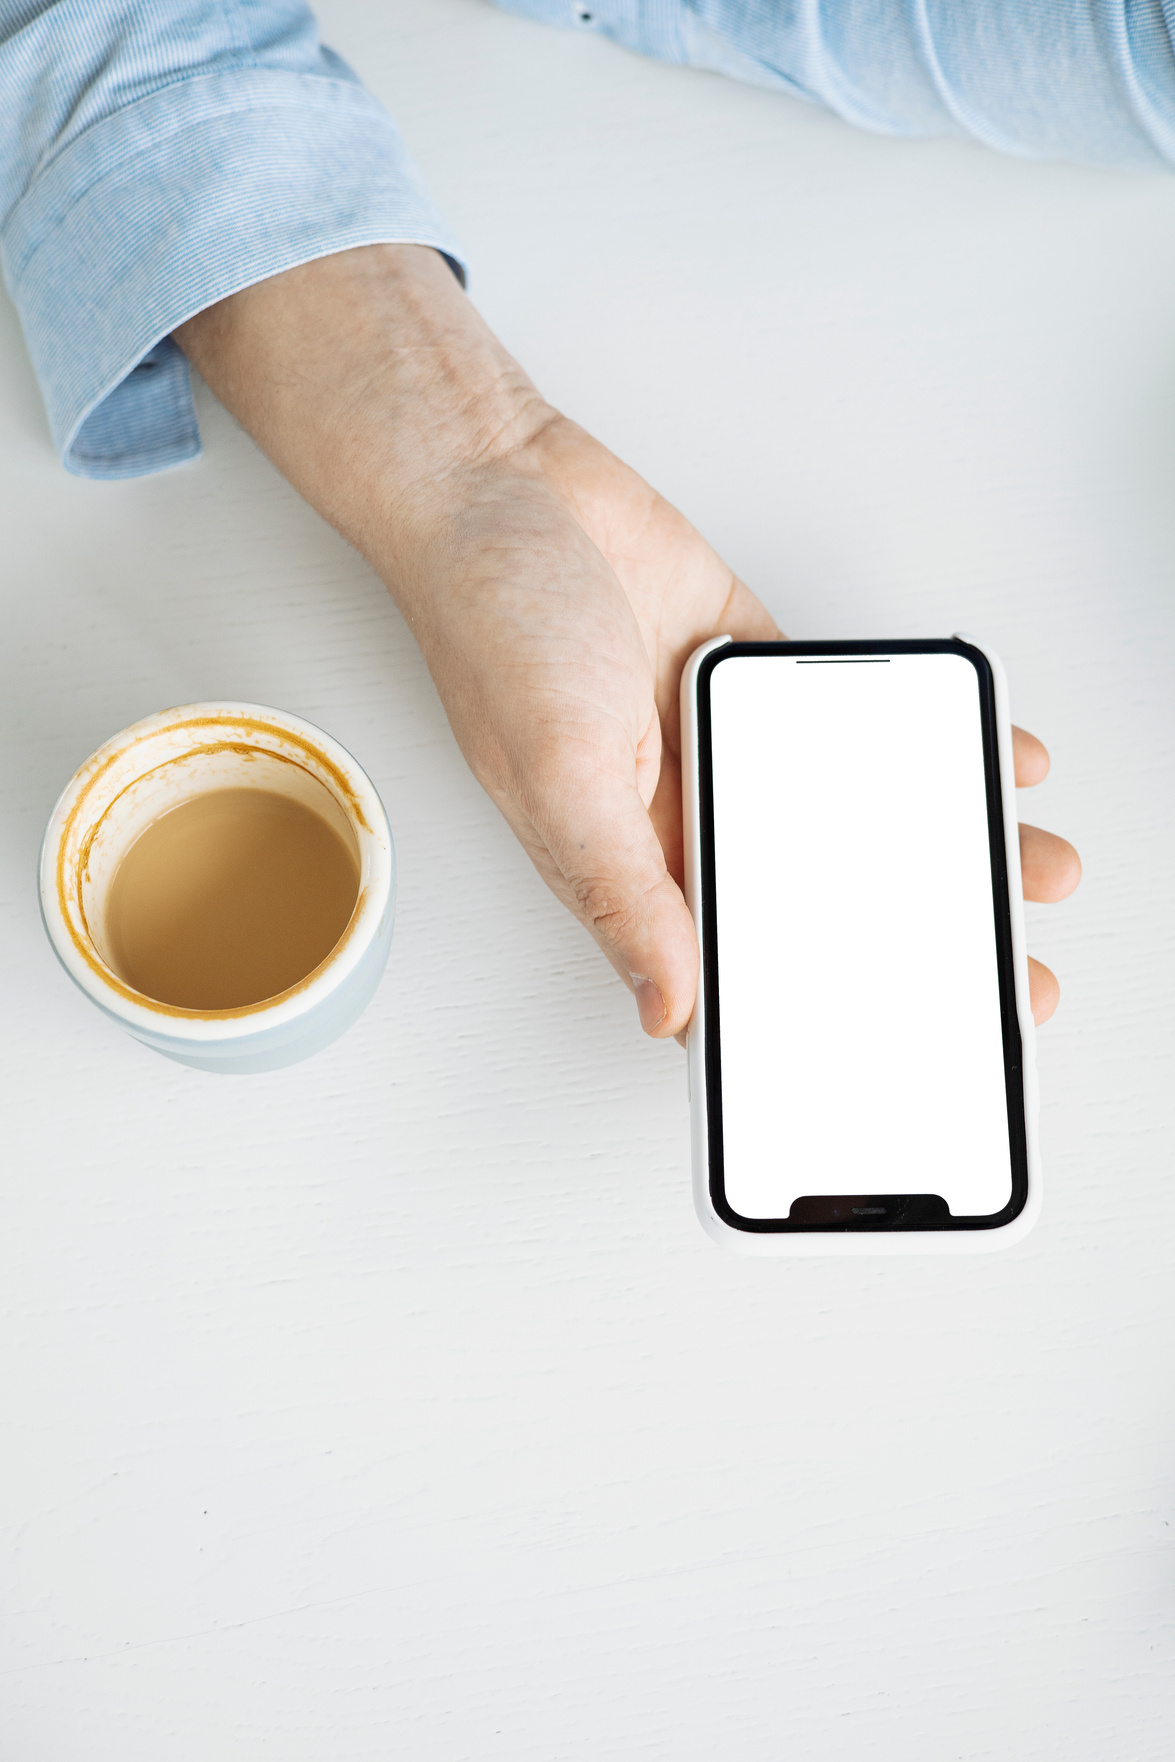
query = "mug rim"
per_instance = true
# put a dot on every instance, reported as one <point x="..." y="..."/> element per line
<point x="64" y="916"/>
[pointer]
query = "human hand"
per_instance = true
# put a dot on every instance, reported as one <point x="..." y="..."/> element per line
<point x="555" y="596"/>
<point x="585" y="785"/>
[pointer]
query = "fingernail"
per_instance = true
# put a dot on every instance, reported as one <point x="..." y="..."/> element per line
<point x="649" y="1002"/>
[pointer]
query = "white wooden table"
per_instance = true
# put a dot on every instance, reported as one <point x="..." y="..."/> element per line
<point x="395" y="1405"/>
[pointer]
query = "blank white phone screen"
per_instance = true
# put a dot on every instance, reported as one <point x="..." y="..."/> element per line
<point x="858" y="988"/>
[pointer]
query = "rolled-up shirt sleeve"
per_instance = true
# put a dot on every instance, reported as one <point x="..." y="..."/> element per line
<point x="154" y="158"/>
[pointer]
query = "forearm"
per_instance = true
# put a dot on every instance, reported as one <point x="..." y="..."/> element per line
<point x="376" y="388"/>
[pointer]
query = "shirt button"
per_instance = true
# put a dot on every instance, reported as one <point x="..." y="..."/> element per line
<point x="583" y="15"/>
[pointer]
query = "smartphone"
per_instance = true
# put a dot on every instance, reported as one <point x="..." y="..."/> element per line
<point x="861" y="1053"/>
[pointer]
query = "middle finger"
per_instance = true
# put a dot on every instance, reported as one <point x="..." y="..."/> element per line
<point x="1050" y="865"/>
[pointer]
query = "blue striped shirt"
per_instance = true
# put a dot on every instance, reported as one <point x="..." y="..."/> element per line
<point x="157" y="155"/>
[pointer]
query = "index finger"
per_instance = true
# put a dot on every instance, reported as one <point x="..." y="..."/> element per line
<point x="1031" y="759"/>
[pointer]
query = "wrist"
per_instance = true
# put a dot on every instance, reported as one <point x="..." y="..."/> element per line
<point x="374" y="385"/>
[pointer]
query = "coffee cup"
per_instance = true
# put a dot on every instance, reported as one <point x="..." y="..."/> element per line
<point x="220" y="880"/>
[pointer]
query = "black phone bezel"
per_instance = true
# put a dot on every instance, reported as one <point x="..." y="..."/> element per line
<point x="863" y="1213"/>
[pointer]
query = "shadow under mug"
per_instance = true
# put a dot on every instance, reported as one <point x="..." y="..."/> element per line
<point x="171" y="758"/>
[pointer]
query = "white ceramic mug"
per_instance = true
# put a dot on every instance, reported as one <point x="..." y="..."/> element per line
<point x="168" y="759"/>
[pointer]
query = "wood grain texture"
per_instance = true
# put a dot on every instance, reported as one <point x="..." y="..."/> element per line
<point x="395" y="1405"/>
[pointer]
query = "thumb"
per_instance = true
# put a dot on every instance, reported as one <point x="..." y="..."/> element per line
<point x="611" y="872"/>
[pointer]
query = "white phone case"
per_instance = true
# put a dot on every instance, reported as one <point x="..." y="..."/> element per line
<point x="854" y="1242"/>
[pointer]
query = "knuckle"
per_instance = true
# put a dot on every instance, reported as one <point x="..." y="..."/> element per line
<point x="607" y="908"/>
<point x="615" y="909"/>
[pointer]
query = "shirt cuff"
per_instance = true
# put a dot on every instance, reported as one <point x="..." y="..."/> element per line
<point x="173" y="203"/>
